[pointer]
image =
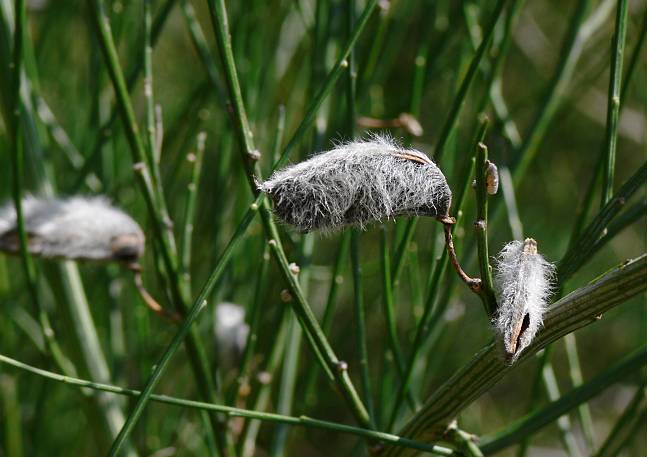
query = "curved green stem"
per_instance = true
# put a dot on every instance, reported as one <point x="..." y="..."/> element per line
<point x="576" y="310"/>
<point x="303" y="421"/>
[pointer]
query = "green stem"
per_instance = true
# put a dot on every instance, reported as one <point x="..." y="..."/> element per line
<point x="306" y="317"/>
<point x="586" y="245"/>
<point x="197" y="307"/>
<point x="360" y="322"/>
<point x="459" y="100"/>
<point x="570" y="54"/>
<point x="336" y="280"/>
<point x="161" y="227"/>
<point x="431" y="316"/>
<point x="389" y="313"/>
<point x="539" y="418"/>
<point x="287" y="385"/>
<point x="454" y="114"/>
<point x="613" y="102"/>
<point x="627" y="425"/>
<point x="574" y="311"/>
<point x="575" y="372"/>
<point x="247" y="440"/>
<point x="480" y="227"/>
<point x="563" y="422"/>
<point x="234" y="412"/>
<point x="189" y="211"/>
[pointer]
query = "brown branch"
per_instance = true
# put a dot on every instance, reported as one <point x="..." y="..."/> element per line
<point x="148" y="298"/>
<point x="473" y="283"/>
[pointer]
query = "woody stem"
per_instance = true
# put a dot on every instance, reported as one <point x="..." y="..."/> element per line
<point x="473" y="283"/>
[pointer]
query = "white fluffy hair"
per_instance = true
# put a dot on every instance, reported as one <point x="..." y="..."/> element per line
<point x="358" y="183"/>
<point x="86" y="228"/>
<point x="231" y="332"/>
<point x="523" y="280"/>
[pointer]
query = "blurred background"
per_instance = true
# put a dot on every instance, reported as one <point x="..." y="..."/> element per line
<point x="546" y="99"/>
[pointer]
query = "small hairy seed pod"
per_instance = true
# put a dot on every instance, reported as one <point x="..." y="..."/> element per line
<point x="358" y="183"/>
<point x="73" y="228"/>
<point x="523" y="281"/>
<point x="491" y="178"/>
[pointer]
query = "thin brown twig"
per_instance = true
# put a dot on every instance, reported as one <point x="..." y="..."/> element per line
<point x="405" y="121"/>
<point x="148" y="298"/>
<point x="473" y="283"/>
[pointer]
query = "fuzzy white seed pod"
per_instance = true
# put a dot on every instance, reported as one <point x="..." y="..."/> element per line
<point x="231" y="332"/>
<point x="83" y="228"/>
<point x="358" y="183"/>
<point x="523" y="281"/>
<point x="492" y="178"/>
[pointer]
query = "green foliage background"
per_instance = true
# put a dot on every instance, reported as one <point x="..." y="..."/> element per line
<point x="283" y="51"/>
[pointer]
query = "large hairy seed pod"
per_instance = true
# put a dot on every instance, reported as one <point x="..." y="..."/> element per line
<point x="358" y="183"/>
<point x="523" y="280"/>
<point x="73" y="228"/>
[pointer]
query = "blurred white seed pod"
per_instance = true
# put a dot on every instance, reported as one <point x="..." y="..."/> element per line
<point x="523" y="279"/>
<point x="83" y="228"/>
<point x="358" y="183"/>
<point x="231" y="332"/>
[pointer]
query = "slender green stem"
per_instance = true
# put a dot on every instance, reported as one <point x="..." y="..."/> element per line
<point x="199" y="304"/>
<point x="138" y="150"/>
<point x="431" y="316"/>
<point x="563" y="422"/>
<point x="17" y="149"/>
<point x="289" y="378"/>
<point x="584" y="208"/>
<point x="12" y="417"/>
<point x="576" y="310"/>
<point x="627" y="218"/>
<point x="153" y="147"/>
<point x="17" y="160"/>
<point x="459" y="100"/>
<point x="452" y="118"/>
<point x="356" y="267"/>
<point x="161" y="226"/>
<point x="570" y="53"/>
<point x="336" y="280"/>
<point x="201" y="46"/>
<point x="613" y="102"/>
<point x="583" y="249"/>
<point x="510" y="200"/>
<point x="501" y="48"/>
<point x="360" y="322"/>
<point x="105" y="132"/>
<point x="287" y="385"/>
<point x="480" y="227"/>
<point x="627" y="425"/>
<point x="577" y="379"/>
<point x="247" y="440"/>
<point x="582" y="214"/>
<point x="234" y="412"/>
<point x="189" y="210"/>
<point x="539" y="418"/>
<point x="389" y="313"/>
<point x="333" y="75"/>
<point x="307" y="319"/>
<point x="535" y="397"/>
<point x="254" y="313"/>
